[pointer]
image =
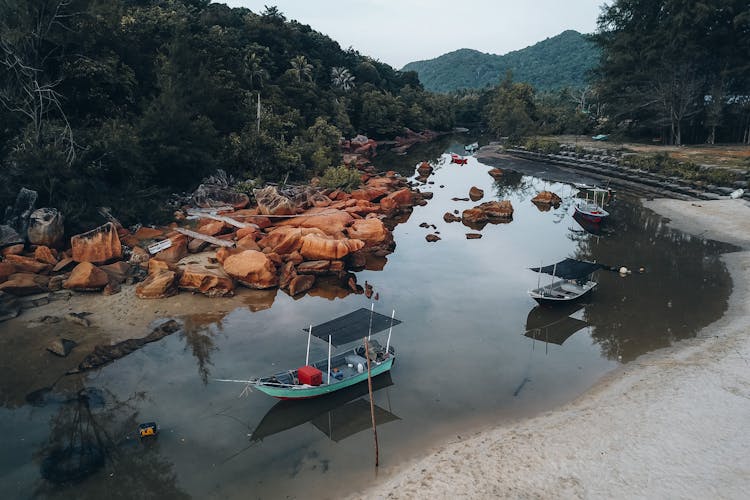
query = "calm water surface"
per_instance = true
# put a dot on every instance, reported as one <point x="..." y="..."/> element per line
<point x="473" y="351"/>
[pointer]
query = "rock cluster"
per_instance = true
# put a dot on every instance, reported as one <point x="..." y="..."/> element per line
<point x="286" y="241"/>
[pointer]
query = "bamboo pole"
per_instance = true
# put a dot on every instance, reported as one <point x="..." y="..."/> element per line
<point x="372" y="404"/>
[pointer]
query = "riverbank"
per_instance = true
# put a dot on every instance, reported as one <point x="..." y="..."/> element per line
<point x="668" y="425"/>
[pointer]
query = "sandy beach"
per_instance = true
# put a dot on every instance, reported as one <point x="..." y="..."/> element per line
<point x="672" y="424"/>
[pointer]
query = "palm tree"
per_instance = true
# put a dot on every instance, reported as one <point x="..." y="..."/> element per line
<point x="342" y="78"/>
<point x="301" y="67"/>
<point x="253" y="69"/>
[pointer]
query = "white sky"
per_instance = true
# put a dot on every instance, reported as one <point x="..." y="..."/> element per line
<point x="400" y="31"/>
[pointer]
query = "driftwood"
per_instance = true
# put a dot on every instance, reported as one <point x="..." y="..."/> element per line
<point x="224" y="218"/>
<point x="104" y="354"/>
<point x="210" y="239"/>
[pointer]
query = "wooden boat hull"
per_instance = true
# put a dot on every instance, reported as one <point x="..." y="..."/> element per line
<point x="593" y="214"/>
<point x="307" y="391"/>
<point x="561" y="292"/>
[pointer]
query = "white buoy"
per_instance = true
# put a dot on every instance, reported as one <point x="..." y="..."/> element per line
<point x="623" y="271"/>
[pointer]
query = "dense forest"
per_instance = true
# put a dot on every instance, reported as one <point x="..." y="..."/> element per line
<point x="120" y="102"/>
<point x="670" y="71"/>
<point x="562" y="61"/>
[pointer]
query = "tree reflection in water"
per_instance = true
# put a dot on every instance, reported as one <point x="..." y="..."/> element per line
<point x="93" y="437"/>
<point x="198" y="333"/>
<point x="637" y="313"/>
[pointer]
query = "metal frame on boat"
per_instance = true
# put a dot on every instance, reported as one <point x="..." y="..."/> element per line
<point x="575" y="282"/>
<point x="592" y="209"/>
<point x="335" y="372"/>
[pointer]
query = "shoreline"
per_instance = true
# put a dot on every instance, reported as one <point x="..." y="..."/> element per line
<point x="668" y="425"/>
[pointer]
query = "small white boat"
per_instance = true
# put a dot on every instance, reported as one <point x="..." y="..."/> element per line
<point x="576" y="281"/>
<point x="593" y="208"/>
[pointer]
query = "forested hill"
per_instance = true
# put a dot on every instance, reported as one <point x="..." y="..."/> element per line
<point x="555" y="63"/>
<point x="115" y="103"/>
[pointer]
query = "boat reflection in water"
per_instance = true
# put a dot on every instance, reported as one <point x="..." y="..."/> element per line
<point x="588" y="224"/>
<point x="338" y="415"/>
<point x="553" y="325"/>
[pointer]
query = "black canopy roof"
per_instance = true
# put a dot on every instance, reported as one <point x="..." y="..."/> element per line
<point x="569" y="269"/>
<point x="353" y="326"/>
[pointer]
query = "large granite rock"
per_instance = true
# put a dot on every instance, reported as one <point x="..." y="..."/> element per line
<point x="329" y="220"/>
<point x="202" y="273"/>
<point x="372" y="231"/>
<point x="98" y="246"/>
<point x="45" y="255"/>
<point x="317" y="247"/>
<point x="27" y="264"/>
<point x="86" y="277"/>
<point x="157" y="285"/>
<point x="18" y="215"/>
<point x="252" y="269"/>
<point x="46" y="227"/>
<point x="547" y="198"/>
<point x="270" y="202"/>
<point x="9" y="236"/>
<point x="20" y="284"/>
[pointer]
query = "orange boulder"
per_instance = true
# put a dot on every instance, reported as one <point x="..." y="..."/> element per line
<point x="97" y="246"/>
<point x="252" y="269"/>
<point x="316" y="247"/>
<point x="86" y="277"/>
<point x="157" y="285"/>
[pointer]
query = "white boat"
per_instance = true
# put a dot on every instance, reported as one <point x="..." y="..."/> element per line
<point x="576" y="281"/>
<point x="592" y="208"/>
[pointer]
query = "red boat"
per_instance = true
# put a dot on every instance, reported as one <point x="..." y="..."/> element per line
<point x="458" y="159"/>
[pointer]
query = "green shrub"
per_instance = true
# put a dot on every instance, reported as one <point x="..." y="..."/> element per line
<point x="543" y="146"/>
<point x="341" y="177"/>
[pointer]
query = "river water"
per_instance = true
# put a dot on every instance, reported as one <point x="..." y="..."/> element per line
<point x="473" y="351"/>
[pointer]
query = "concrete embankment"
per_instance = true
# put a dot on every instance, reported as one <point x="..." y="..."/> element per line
<point x="611" y="170"/>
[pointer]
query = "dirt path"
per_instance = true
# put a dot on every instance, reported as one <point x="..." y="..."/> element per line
<point x="672" y="424"/>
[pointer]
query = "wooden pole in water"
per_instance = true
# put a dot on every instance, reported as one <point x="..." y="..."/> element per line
<point x="372" y="404"/>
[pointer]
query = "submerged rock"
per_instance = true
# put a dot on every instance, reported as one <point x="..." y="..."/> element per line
<point x="61" y="347"/>
<point x="547" y="198"/>
<point x="475" y="194"/>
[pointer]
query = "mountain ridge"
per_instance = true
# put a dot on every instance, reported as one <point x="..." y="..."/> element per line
<point x="553" y="63"/>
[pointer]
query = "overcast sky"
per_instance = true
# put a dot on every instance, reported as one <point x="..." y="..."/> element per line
<point x="400" y="31"/>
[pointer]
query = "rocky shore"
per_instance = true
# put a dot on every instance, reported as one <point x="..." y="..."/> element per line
<point x="669" y="425"/>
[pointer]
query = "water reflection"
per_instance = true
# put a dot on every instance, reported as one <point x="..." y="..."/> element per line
<point x="553" y="324"/>
<point x="465" y="306"/>
<point x="338" y="415"/>
<point x="93" y="438"/>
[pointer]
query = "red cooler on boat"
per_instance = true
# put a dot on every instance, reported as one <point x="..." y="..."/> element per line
<point x="310" y="375"/>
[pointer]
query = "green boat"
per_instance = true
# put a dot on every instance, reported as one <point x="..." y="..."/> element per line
<point x="346" y="369"/>
<point x="342" y="370"/>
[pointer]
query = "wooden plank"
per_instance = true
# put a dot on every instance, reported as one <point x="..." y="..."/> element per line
<point x="210" y="239"/>
<point x="224" y="218"/>
<point x="159" y="246"/>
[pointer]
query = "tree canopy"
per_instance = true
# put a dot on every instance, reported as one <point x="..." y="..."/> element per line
<point x="111" y="102"/>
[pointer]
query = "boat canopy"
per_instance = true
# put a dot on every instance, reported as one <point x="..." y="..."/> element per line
<point x="353" y="326"/>
<point x="569" y="269"/>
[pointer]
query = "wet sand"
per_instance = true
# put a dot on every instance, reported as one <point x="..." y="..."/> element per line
<point x="672" y="424"/>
